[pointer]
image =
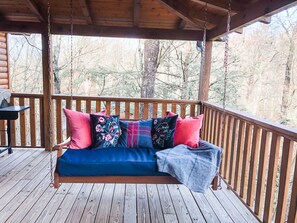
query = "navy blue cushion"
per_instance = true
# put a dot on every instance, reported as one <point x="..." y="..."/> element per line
<point x="109" y="162"/>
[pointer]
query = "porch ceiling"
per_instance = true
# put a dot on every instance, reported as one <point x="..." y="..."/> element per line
<point x="160" y="19"/>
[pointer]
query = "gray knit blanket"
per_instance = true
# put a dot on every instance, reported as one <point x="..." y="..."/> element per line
<point x="195" y="168"/>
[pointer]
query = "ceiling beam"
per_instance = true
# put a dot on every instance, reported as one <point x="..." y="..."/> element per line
<point x="223" y="5"/>
<point x="103" y="31"/>
<point x="189" y="14"/>
<point x="86" y="10"/>
<point x="136" y="13"/>
<point x="36" y="10"/>
<point x="251" y="14"/>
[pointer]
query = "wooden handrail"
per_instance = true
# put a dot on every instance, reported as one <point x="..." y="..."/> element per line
<point x="277" y="128"/>
<point x="123" y="99"/>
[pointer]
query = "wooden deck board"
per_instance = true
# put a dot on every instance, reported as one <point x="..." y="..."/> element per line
<point x="27" y="197"/>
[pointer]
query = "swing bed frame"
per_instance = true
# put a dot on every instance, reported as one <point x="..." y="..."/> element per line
<point x="114" y="179"/>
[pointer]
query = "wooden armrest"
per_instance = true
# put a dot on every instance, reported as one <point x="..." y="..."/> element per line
<point x="63" y="145"/>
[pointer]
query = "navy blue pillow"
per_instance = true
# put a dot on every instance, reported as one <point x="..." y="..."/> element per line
<point x="136" y="134"/>
<point x="105" y="130"/>
<point x="163" y="132"/>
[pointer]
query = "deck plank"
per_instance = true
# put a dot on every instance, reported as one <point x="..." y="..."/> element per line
<point x="154" y="204"/>
<point x="180" y="206"/>
<point x="65" y="207"/>
<point x="91" y="208"/>
<point x="117" y="207"/>
<point x="79" y="205"/>
<point x="206" y="210"/>
<point x="103" y="212"/>
<point x="143" y="214"/>
<point x="166" y="203"/>
<point x="130" y="204"/>
<point x="52" y="206"/>
<point x="191" y="204"/>
<point x="27" y="197"/>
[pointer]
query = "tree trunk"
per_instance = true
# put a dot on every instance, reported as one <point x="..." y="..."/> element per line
<point x="56" y="68"/>
<point x="287" y="83"/>
<point x="151" y="51"/>
<point x="186" y="73"/>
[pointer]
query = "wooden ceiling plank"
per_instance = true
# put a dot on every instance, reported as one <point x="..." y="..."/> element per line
<point x="104" y="31"/>
<point x="36" y="10"/>
<point x="251" y="14"/>
<point x="136" y="14"/>
<point x="86" y="10"/>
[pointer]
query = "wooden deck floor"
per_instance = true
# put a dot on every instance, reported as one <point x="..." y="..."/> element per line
<point x="25" y="196"/>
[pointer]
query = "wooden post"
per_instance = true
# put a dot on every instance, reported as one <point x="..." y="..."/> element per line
<point x="47" y="91"/>
<point x="205" y="73"/>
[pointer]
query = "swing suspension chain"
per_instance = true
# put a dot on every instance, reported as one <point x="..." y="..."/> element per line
<point x="226" y="56"/>
<point x="71" y="53"/>
<point x="49" y="95"/>
<point x="204" y="35"/>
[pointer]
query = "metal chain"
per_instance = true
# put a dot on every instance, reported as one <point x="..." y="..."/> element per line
<point x="204" y="36"/>
<point x="49" y="95"/>
<point x="71" y="52"/>
<point x="226" y="57"/>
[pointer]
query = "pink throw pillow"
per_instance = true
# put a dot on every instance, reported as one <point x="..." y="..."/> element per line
<point x="187" y="130"/>
<point x="80" y="128"/>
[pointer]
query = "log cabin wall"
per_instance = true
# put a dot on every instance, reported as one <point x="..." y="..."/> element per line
<point x="4" y="71"/>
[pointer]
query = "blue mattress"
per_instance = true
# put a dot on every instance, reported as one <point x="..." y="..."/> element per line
<point x="109" y="162"/>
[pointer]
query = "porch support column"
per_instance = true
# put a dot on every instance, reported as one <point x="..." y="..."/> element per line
<point x="47" y="92"/>
<point x="205" y="73"/>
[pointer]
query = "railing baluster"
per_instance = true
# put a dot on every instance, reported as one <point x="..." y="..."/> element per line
<point x="192" y="110"/>
<point x="59" y="120"/>
<point x="164" y="109"/>
<point x="233" y="152"/>
<point x="23" y="123"/>
<point x="136" y="110"/>
<point x="88" y="106"/>
<point x="246" y="160"/>
<point x="155" y="110"/>
<point x="293" y="201"/>
<point x="271" y="180"/>
<point x="127" y="109"/>
<point x="118" y="108"/>
<point x="239" y="155"/>
<point x="98" y="106"/>
<point x="211" y="130"/>
<point x="228" y="148"/>
<point x="32" y="122"/>
<point x="263" y="161"/>
<point x="145" y="110"/>
<point x="253" y="166"/>
<point x="78" y="105"/>
<point x="183" y="110"/>
<point x="173" y="108"/>
<point x="108" y="112"/>
<point x="284" y="181"/>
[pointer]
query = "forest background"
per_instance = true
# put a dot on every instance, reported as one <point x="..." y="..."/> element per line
<point x="261" y="79"/>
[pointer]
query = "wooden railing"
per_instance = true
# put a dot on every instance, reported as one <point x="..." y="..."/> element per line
<point x="259" y="161"/>
<point x="27" y="131"/>
<point x="127" y="108"/>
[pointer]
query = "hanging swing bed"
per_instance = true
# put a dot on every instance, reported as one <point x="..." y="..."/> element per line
<point x="146" y="158"/>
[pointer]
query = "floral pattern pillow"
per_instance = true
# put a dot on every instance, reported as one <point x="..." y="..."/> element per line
<point x="105" y="130"/>
<point x="163" y="132"/>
